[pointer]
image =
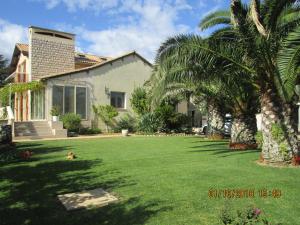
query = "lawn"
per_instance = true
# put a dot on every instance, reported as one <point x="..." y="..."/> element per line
<point x="159" y="180"/>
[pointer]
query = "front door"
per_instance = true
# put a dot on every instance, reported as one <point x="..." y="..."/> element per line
<point x="38" y="104"/>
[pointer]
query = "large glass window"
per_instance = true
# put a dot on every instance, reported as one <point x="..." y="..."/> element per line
<point x="81" y="101"/>
<point x="117" y="99"/>
<point x="69" y="99"/>
<point x="38" y="104"/>
<point x="58" y="97"/>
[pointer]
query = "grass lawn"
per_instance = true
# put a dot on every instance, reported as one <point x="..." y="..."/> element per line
<point x="160" y="181"/>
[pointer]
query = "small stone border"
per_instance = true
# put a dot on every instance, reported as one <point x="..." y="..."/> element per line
<point x="276" y="165"/>
<point x="163" y="135"/>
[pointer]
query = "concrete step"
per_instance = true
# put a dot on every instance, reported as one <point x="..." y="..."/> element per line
<point x="45" y="133"/>
<point x="32" y="137"/>
<point x="39" y="130"/>
<point x="33" y="130"/>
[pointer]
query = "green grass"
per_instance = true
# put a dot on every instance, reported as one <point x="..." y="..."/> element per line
<point x="160" y="181"/>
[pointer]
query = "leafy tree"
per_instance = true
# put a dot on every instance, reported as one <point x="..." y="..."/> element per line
<point x="106" y="113"/>
<point x="139" y="101"/>
<point x="3" y="69"/>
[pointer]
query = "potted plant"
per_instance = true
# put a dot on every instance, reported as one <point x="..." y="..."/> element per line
<point x="125" y="132"/>
<point x="55" y="113"/>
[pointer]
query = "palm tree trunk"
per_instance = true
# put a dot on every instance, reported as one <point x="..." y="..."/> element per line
<point x="215" y="120"/>
<point x="278" y="130"/>
<point x="243" y="129"/>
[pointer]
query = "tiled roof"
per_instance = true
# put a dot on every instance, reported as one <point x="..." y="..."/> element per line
<point x="89" y="59"/>
<point x="23" y="48"/>
<point x="109" y="61"/>
<point x="80" y="58"/>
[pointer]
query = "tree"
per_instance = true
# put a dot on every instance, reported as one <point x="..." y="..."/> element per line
<point x="268" y="33"/>
<point x="223" y="92"/>
<point x="3" y="69"/>
<point x="106" y="113"/>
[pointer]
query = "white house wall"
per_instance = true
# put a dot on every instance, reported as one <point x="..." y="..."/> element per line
<point x="122" y="75"/>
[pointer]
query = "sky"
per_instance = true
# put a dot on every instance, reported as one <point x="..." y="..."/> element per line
<point x="105" y="27"/>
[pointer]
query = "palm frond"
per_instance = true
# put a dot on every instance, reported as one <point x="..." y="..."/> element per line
<point x="215" y="18"/>
<point x="272" y="10"/>
<point x="289" y="62"/>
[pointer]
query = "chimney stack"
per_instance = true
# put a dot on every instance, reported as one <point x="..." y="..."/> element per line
<point x="50" y="52"/>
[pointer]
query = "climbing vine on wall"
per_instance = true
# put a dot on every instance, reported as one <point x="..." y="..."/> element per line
<point x="18" y="88"/>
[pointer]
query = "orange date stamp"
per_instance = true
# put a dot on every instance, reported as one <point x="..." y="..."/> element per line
<point x="244" y="193"/>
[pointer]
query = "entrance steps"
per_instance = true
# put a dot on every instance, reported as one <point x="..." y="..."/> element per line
<point x="38" y="130"/>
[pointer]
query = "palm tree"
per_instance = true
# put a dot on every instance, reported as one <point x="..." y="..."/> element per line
<point x="269" y="34"/>
<point x="209" y="94"/>
<point x="223" y="94"/>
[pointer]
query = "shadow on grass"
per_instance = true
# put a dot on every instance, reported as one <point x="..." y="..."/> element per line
<point x="29" y="194"/>
<point x="214" y="148"/>
<point x="37" y="148"/>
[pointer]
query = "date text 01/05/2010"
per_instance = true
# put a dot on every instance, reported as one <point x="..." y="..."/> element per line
<point x="244" y="193"/>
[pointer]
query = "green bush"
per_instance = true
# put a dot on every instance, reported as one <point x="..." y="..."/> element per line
<point x="149" y="123"/>
<point x="249" y="215"/>
<point x="170" y="119"/>
<point x="126" y="122"/>
<point x="85" y="130"/>
<point x="139" y="101"/>
<point x="55" y="111"/>
<point x="106" y="113"/>
<point x="71" y="122"/>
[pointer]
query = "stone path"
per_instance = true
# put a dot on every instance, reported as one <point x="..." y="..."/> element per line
<point x="87" y="199"/>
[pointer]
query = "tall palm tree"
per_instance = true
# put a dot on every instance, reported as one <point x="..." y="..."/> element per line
<point x="269" y="34"/>
<point x="217" y="84"/>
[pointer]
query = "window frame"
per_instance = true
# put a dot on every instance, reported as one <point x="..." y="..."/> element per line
<point x="124" y="94"/>
<point x="75" y="98"/>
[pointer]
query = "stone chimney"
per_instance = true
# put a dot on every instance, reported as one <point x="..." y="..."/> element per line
<point x="50" y="52"/>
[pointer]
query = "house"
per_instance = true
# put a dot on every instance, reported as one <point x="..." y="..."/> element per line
<point x="73" y="81"/>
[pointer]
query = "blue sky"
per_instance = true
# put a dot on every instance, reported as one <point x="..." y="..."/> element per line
<point x="105" y="27"/>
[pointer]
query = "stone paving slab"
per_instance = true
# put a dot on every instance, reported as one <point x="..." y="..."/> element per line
<point x="87" y="199"/>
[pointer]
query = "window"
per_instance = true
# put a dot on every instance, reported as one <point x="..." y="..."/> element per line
<point x="117" y="99"/>
<point x="58" y="97"/>
<point x="81" y="101"/>
<point x="70" y="99"/>
<point x="38" y="104"/>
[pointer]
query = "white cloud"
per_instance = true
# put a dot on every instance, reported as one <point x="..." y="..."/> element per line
<point x="150" y="23"/>
<point x="74" y="5"/>
<point x="10" y="34"/>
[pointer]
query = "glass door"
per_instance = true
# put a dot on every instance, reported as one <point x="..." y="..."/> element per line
<point x="38" y="104"/>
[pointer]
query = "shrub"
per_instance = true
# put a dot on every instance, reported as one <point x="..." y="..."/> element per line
<point x="106" y="113"/>
<point x="149" y="123"/>
<point x="248" y="215"/>
<point x="55" y="111"/>
<point x="170" y="119"/>
<point x="89" y="131"/>
<point x="139" y="101"/>
<point x="71" y="122"/>
<point x="126" y="122"/>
